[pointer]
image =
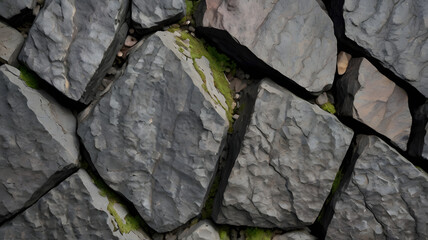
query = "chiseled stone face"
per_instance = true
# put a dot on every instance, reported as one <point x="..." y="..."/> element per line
<point x="373" y="99"/>
<point x="387" y="197"/>
<point x="294" y="37"/>
<point x="287" y="162"/>
<point x="72" y="44"/>
<point x="149" y="13"/>
<point x="72" y="210"/>
<point x="157" y="135"/>
<point x="395" y="33"/>
<point x="38" y="140"/>
<point x="10" y="44"/>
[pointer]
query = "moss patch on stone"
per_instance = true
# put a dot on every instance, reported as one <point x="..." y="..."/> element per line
<point x="329" y="107"/>
<point x="258" y="234"/>
<point x="223" y="233"/>
<point x="218" y="64"/>
<point x="209" y="203"/>
<point x="191" y="6"/>
<point x="29" y="77"/>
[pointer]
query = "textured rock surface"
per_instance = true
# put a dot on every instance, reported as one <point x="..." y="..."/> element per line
<point x="373" y="99"/>
<point x="38" y="143"/>
<point x="72" y="210"/>
<point x="71" y="45"/>
<point x="10" y="8"/>
<point x="394" y="32"/>
<point x="387" y="197"/>
<point x="149" y="13"/>
<point x="10" y="44"/>
<point x="294" y="37"/>
<point x="204" y="230"/>
<point x="287" y="162"/>
<point x="157" y="135"/>
<point x="295" y="235"/>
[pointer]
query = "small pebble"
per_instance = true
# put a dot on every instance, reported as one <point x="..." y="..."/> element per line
<point x="187" y="22"/>
<point x="177" y="34"/>
<point x="192" y="29"/>
<point x="130" y="41"/>
<point x="193" y="34"/>
<point x="227" y="70"/>
<point x="237" y="96"/>
<point x="120" y="54"/>
<point x="131" y="31"/>
<point x="235" y="117"/>
<point x="233" y="105"/>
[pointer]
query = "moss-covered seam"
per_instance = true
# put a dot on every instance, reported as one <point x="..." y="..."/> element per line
<point x="29" y="77"/>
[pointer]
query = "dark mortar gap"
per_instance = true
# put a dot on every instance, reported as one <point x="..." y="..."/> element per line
<point x="248" y="61"/>
<point x="87" y="165"/>
<point x="320" y="226"/>
<point x="417" y="135"/>
<point x="141" y="32"/>
<point x="53" y="181"/>
<point x="22" y="22"/>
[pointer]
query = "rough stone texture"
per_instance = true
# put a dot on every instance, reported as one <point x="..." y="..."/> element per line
<point x="157" y="135"/>
<point x="371" y="98"/>
<point x="286" y="165"/>
<point x="72" y="210"/>
<point x="204" y="230"/>
<point x="10" y="8"/>
<point x="72" y="44"/>
<point x="387" y="197"/>
<point x="149" y="13"/>
<point x="294" y="37"/>
<point x="295" y="235"/>
<point x="38" y="143"/>
<point x="394" y="32"/>
<point x="10" y="44"/>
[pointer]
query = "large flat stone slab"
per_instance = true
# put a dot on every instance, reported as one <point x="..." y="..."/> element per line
<point x="286" y="163"/>
<point x="38" y="143"/>
<point x="149" y="13"/>
<point x="71" y="45"/>
<point x="10" y="44"/>
<point x="295" y="38"/>
<point x="387" y="197"/>
<point x="395" y="33"/>
<point x="371" y="98"/>
<point x="75" y="209"/>
<point x="156" y="137"/>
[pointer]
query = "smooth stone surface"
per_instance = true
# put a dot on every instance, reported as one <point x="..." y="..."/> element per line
<point x="156" y="137"/>
<point x="149" y="13"/>
<point x="38" y="143"/>
<point x="72" y="210"/>
<point x="10" y="44"/>
<point x="395" y="33"/>
<point x="203" y="230"/>
<point x="295" y="235"/>
<point x="10" y="8"/>
<point x="71" y="45"/>
<point x="294" y="37"/>
<point x="387" y="197"/>
<point x="371" y="98"/>
<point x="286" y="165"/>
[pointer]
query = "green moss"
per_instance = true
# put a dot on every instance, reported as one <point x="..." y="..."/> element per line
<point x="337" y="181"/>
<point x="258" y="234"/>
<point x="209" y="203"/>
<point x="218" y="64"/>
<point x="223" y="233"/>
<point x="181" y="50"/>
<point x="191" y="6"/>
<point x="329" y="108"/>
<point x="29" y="77"/>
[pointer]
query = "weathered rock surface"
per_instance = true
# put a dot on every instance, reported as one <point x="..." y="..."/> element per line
<point x="387" y="197"/>
<point x="157" y="135"/>
<point x="418" y="142"/>
<point x="294" y="37"/>
<point x="10" y="44"/>
<point x="394" y="32"/>
<point x="295" y="235"/>
<point x="371" y="98"/>
<point x="10" y="8"/>
<point x="203" y="230"/>
<point x="287" y="162"/>
<point x="38" y="140"/>
<point x="72" y="45"/>
<point x="72" y="210"/>
<point x="150" y="13"/>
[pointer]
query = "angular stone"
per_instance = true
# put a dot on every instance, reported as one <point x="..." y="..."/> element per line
<point x="387" y="197"/>
<point x="72" y="210"/>
<point x="156" y="137"/>
<point x="10" y="8"/>
<point x="294" y="37"/>
<point x="10" y="44"/>
<point x="371" y="98"/>
<point x="38" y="143"/>
<point x="395" y="33"/>
<point x="203" y="230"/>
<point x="287" y="162"/>
<point x="71" y="45"/>
<point x="149" y="13"/>
<point x="295" y="235"/>
<point x="342" y="62"/>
